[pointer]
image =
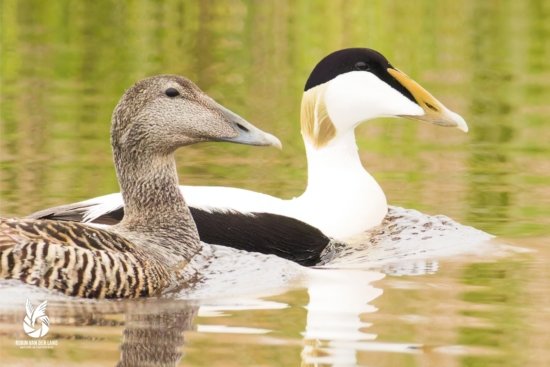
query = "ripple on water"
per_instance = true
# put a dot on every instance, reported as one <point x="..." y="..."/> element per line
<point x="409" y="242"/>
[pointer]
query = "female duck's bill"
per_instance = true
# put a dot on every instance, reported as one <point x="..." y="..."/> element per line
<point x="246" y="133"/>
<point x="149" y="251"/>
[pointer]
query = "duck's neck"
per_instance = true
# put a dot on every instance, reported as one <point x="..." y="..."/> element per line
<point x="155" y="212"/>
<point x="335" y="161"/>
<point x="332" y="157"/>
<point x="340" y="187"/>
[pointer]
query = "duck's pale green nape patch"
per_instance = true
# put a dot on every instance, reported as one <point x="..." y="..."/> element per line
<point x="317" y="127"/>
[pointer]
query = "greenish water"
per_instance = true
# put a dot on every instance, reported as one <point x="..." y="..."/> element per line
<point x="64" y="64"/>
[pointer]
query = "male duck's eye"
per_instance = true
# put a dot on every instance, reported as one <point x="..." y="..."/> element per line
<point x="172" y="92"/>
<point x="361" y="65"/>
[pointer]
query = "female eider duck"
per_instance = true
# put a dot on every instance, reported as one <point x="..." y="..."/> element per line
<point x="147" y="253"/>
<point x="342" y="199"/>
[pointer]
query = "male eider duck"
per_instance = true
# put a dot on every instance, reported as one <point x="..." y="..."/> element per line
<point x="342" y="199"/>
<point x="147" y="253"/>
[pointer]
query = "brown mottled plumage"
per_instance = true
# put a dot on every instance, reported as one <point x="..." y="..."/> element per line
<point x="77" y="260"/>
<point x="147" y="253"/>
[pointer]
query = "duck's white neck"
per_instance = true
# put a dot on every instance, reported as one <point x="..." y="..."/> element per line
<point x="333" y="161"/>
<point x="348" y="200"/>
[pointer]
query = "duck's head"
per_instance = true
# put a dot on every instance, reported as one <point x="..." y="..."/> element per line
<point x="164" y="112"/>
<point x="353" y="85"/>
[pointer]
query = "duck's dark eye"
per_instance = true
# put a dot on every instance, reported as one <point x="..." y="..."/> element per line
<point x="361" y="65"/>
<point x="172" y="92"/>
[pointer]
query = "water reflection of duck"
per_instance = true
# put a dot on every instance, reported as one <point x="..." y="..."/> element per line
<point x="342" y="199"/>
<point x="149" y="251"/>
<point x="155" y="337"/>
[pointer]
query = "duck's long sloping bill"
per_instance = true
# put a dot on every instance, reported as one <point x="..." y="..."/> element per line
<point x="434" y="111"/>
<point x="246" y="132"/>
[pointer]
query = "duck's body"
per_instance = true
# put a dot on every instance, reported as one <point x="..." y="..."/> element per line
<point x="78" y="260"/>
<point x="341" y="199"/>
<point x="147" y="252"/>
<point x="245" y="220"/>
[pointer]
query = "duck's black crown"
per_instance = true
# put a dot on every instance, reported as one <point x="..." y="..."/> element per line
<point x="354" y="59"/>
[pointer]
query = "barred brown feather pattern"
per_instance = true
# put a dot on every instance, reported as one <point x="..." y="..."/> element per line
<point x="77" y="260"/>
